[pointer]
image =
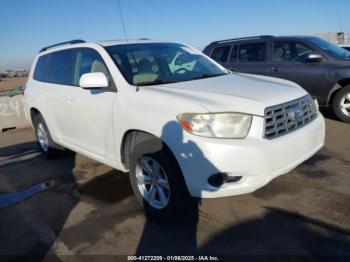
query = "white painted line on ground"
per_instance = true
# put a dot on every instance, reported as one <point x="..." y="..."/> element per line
<point x="12" y="112"/>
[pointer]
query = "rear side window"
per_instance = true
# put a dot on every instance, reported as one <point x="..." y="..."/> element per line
<point x="60" y="68"/>
<point x="39" y="72"/>
<point x="220" y="54"/>
<point x="255" y="52"/>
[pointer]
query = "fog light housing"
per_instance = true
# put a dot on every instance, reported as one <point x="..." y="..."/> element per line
<point x="217" y="180"/>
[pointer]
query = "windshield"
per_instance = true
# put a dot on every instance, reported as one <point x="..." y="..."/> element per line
<point x="331" y="49"/>
<point x="162" y="63"/>
<point x="346" y="48"/>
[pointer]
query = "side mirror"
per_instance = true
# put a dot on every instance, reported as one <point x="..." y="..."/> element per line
<point x="93" y="80"/>
<point x="313" y="57"/>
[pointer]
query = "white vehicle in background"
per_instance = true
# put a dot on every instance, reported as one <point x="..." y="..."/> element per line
<point x="21" y="73"/>
<point x="203" y="132"/>
<point x="10" y="73"/>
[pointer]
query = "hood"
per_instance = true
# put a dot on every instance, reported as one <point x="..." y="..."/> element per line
<point x="244" y="93"/>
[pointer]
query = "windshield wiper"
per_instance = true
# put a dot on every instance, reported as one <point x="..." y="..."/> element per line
<point x="156" y="82"/>
<point x="208" y="76"/>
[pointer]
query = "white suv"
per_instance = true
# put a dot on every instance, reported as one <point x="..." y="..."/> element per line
<point x="181" y="131"/>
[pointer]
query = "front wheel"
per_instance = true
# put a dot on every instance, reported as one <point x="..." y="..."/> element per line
<point x="158" y="182"/>
<point x="341" y="104"/>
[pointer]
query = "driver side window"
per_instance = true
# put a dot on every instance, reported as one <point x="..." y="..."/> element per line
<point x="287" y="51"/>
<point x="302" y="51"/>
<point x="89" y="61"/>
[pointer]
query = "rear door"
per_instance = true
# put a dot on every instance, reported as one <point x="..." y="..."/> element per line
<point x="250" y="57"/>
<point x="35" y="85"/>
<point x="288" y="62"/>
<point x="57" y="79"/>
<point x="89" y="113"/>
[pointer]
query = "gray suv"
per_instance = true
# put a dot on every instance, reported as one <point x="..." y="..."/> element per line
<point x="321" y="68"/>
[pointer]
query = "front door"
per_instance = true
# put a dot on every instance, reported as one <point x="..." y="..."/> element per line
<point x="89" y="118"/>
<point x="289" y="62"/>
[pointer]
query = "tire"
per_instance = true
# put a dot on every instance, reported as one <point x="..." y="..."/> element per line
<point x="341" y="104"/>
<point x="154" y="153"/>
<point x="46" y="145"/>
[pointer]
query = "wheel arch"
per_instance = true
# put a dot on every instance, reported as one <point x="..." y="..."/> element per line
<point x="336" y="88"/>
<point x="131" y="138"/>
<point x="33" y="113"/>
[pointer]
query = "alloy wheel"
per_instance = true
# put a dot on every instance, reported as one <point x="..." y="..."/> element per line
<point x="345" y="104"/>
<point x="152" y="182"/>
<point x="43" y="138"/>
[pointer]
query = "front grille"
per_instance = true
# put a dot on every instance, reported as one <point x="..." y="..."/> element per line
<point x="288" y="117"/>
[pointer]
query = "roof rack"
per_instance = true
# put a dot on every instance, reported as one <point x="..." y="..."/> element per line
<point x="72" y="42"/>
<point x="243" y="38"/>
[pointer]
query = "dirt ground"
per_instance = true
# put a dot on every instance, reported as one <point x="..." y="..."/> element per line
<point x="85" y="208"/>
<point x="9" y="83"/>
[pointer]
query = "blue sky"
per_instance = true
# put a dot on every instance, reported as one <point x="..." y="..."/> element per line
<point x="28" y="25"/>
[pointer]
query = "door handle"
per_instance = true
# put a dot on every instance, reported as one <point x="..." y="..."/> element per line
<point x="275" y="69"/>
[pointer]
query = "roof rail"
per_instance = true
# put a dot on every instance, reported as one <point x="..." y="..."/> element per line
<point x="72" y="42"/>
<point x="243" y="38"/>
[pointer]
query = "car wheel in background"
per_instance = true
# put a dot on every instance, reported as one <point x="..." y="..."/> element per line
<point x="158" y="182"/>
<point x="341" y="104"/>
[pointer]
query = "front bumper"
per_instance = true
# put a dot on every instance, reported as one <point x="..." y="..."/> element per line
<point x="257" y="160"/>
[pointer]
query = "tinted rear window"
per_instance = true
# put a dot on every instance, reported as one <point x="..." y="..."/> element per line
<point x="39" y="72"/>
<point x="60" y="68"/>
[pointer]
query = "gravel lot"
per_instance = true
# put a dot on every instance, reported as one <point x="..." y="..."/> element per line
<point x="9" y="83"/>
<point x="83" y="207"/>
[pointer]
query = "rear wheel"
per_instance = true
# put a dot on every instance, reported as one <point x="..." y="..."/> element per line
<point x="341" y="104"/>
<point x="48" y="148"/>
<point x="157" y="181"/>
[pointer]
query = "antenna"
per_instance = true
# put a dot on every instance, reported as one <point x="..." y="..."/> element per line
<point x="340" y="23"/>
<point x="126" y="36"/>
<point x="122" y="18"/>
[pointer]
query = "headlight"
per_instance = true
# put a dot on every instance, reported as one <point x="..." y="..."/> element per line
<point x="217" y="125"/>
